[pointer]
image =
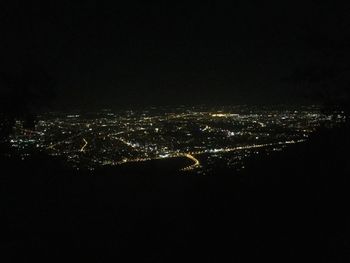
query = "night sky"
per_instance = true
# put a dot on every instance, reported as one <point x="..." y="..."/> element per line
<point x="142" y="54"/>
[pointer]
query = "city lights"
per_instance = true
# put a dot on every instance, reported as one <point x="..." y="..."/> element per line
<point x="207" y="137"/>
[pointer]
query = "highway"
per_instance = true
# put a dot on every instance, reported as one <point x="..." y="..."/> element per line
<point x="195" y="165"/>
<point x="84" y="146"/>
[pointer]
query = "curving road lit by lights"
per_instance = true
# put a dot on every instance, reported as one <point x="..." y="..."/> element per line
<point x="84" y="146"/>
<point x="195" y="165"/>
<point x="63" y="141"/>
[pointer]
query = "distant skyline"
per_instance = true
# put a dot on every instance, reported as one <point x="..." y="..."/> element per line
<point x="117" y="55"/>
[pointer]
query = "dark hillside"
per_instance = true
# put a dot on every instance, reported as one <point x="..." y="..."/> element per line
<point x="286" y="206"/>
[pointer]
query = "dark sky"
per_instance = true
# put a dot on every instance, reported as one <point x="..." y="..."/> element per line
<point x="140" y="54"/>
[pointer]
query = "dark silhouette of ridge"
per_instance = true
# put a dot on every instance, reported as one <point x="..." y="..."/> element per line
<point x="22" y="96"/>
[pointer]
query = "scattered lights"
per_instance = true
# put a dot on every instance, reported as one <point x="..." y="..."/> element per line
<point x="230" y="134"/>
<point x="206" y="128"/>
<point x="116" y="139"/>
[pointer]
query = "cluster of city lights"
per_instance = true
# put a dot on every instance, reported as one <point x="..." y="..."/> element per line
<point x="92" y="140"/>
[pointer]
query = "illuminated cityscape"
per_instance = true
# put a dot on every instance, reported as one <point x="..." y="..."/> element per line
<point x="207" y="137"/>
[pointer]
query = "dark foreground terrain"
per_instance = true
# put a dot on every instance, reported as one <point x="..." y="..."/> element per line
<point x="290" y="206"/>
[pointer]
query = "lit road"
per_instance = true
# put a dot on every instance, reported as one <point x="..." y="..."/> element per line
<point x="64" y="141"/>
<point x="196" y="163"/>
<point x="83" y="148"/>
<point x="192" y="166"/>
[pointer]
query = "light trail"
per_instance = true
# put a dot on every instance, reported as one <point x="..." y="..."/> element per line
<point x="223" y="150"/>
<point x="196" y="161"/>
<point x="83" y="148"/>
<point x="192" y="166"/>
<point x="61" y="142"/>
